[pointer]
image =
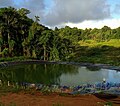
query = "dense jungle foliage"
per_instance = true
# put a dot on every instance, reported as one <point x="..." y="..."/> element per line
<point x="22" y="36"/>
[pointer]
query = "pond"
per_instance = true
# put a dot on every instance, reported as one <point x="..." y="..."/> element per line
<point x="61" y="74"/>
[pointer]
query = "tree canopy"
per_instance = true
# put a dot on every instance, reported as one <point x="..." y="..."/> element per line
<point x="22" y="36"/>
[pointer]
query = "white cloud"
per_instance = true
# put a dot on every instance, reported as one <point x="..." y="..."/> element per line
<point x="113" y="23"/>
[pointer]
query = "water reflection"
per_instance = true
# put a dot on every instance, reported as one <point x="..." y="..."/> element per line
<point x="87" y="76"/>
<point x="36" y="73"/>
<point x="56" y="74"/>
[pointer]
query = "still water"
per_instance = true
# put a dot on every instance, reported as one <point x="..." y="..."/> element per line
<point x="57" y="74"/>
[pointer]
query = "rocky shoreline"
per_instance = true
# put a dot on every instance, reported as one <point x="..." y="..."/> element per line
<point x="104" y="66"/>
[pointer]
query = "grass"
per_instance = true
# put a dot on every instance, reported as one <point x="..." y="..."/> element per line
<point x="105" y="104"/>
<point x="13" y="59"/>
<point x="108" y="104"/>
<point x="93" y="43"/>
<point x="90" y="51"/>
<point x="6" y="89"/>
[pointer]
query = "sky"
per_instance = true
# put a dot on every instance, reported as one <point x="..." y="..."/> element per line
<point x="74" y="13"/>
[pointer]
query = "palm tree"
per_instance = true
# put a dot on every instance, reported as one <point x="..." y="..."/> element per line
<point x="8" y="19"/>
<point x="37" y="19"/>
<point x="44" y="40"/>
<point x="32" y="37"/>
<point x="1" y="42"/>
<point x="11" y="45"/>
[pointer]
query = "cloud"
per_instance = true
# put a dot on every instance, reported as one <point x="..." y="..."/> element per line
<point x="112" y="23"/>
<point x="77" y="11"/>
<point x="60" y="12"/>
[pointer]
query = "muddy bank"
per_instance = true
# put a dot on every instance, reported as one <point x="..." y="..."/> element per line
<point x="104" y="66"/>
<point x="38" y="99"/>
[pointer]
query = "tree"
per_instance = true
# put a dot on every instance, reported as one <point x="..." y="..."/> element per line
<point x="23" y="12"/>
<point x="11" y="45"/>
<point x="43" y="40"/>
<point x="9" y="19"/>
<point x="1" y="42"/>
<point x="33" y="35"/>
<point x="5" y="52"/>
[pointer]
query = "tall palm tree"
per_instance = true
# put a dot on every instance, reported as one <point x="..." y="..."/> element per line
<point x="1" y="41"/>
<point x="44" y="40"/>
<point x="8" y="22"/>
<point x="32" y="37"/>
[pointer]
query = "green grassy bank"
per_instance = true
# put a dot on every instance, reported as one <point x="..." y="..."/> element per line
<point x="107" y="52"/>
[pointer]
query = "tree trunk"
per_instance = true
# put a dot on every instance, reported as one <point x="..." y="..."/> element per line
<point x="0" y="50"/>
<point x="24" y="51"/>
<point x="33" y="53"/>
<point x="9" y="50"/>
<point x="44" y="52"/>
<point x="28" y="52"/>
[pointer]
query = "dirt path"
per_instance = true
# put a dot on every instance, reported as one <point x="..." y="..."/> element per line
<point x="22" y="99"/>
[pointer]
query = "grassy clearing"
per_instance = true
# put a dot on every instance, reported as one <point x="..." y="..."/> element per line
<point x="93" y="43"/>
<point x="107" y="52"/>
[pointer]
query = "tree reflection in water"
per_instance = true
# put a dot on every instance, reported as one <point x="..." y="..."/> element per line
<point x="36" y="73"/>
<point x="54" y="76"/>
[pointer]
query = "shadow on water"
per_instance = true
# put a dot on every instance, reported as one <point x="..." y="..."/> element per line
<point x="90" y="68"/>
